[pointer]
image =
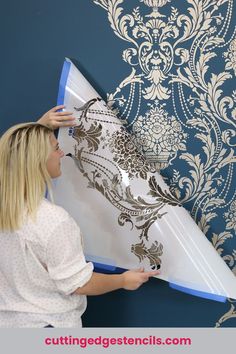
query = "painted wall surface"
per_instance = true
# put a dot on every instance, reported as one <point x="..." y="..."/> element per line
<point x="168" y="67"/>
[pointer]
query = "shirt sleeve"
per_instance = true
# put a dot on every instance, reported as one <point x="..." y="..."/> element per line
<point x="65" y="259"/>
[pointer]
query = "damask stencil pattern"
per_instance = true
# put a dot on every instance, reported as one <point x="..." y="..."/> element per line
<point x="179" y="102"/>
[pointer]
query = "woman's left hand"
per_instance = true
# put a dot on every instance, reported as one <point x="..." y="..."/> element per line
<point x="54" y="119"/>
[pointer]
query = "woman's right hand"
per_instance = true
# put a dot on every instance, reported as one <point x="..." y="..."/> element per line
<point x="55" y="118"/>
<point x="103" y="283"/>
<point x="133" y="279"/>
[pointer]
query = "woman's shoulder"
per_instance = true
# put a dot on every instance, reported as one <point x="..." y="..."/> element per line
<point x="51" y="211"/>
<point x="49" y="216"/>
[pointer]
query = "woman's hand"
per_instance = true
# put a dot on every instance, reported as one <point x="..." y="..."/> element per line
<point x="133" y="279"/>
<point x="103" y="283"/>
<point x="54" y="119"/>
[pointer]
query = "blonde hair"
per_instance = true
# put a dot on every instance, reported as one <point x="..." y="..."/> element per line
<point x="24" y="150"/>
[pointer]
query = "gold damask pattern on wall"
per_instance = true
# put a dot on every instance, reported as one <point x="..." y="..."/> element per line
<point x="179" y="102"/>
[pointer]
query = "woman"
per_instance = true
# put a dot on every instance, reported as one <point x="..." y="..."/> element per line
<point x="44" y="278"/>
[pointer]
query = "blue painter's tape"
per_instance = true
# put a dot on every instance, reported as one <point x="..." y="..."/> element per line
<point x="104" y="264"/>
<point x="198" y="293"/>
<point x="101" y="263"/>
<point x="63" y="81"/>
<point x="101" y="266"/>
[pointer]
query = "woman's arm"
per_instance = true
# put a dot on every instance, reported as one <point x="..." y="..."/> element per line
<point x="103" y="283"/>
<point x="54" y="119"/>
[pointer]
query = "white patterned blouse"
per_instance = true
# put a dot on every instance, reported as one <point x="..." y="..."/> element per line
<point x="41" y="265"/>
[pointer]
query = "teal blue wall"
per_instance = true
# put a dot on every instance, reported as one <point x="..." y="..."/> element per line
<point x="35" y="38"/>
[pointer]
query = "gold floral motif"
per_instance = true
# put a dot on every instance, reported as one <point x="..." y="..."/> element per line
<point x="91" y="135"/>
<point x="153" y="253"/>
<point x="228" y="315"/>
<point x="230" y="217"/>
<point x="126" y="155"/>
<point x="155" y="4"/>
<point x="151" y="45"/>
<point x="230" y="57"/>
<point x="165" y="141"/>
